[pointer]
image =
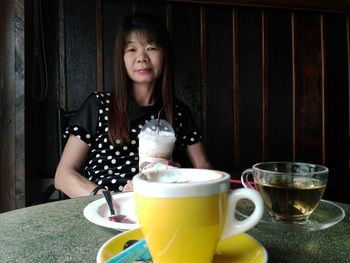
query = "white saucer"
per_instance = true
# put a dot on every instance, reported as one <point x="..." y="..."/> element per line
<point x="326" y="214"/>
<point x="97" y="211"/>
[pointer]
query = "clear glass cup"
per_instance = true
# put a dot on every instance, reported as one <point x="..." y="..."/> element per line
<point x="291" y="190"/>
<point x="156" y="142"/>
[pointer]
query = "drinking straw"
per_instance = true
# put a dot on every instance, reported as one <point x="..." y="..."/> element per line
<point x="131" y="253"/>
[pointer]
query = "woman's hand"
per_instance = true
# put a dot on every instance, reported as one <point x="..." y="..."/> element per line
<point x="129" y="187"/>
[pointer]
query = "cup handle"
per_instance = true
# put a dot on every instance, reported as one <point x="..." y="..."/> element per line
<point x="234" y="226"/>
<point x="244" y="178"/>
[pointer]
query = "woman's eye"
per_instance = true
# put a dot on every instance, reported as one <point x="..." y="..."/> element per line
<point x="130" y="49"/>
<point x="152" y="48"/>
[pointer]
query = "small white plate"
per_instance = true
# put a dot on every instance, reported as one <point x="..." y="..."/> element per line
<point x="97" y="211"/>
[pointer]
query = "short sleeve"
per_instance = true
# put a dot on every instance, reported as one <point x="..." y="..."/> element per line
<point x="188" y="131"/>
<point x="85" y="121"/>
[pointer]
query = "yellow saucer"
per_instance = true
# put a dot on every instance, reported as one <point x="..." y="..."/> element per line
<point x="241" y="248"/>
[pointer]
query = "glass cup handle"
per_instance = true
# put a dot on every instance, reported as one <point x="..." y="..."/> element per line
<point x="234" y="226"/>
<point x="244" y="178"/>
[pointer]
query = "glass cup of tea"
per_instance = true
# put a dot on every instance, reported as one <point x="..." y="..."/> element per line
<point x="183" y="213"/>
<point x="291" y="190"/>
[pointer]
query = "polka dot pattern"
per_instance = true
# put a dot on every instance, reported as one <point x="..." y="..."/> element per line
<point x="112" y="166"/>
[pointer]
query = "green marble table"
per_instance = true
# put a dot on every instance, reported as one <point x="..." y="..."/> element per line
<point x="58" y="232"/>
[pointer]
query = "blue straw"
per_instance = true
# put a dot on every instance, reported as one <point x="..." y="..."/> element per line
<point x="136" y="251"/>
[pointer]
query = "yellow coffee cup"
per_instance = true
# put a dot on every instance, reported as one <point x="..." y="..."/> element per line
<point x="183" y="213"/>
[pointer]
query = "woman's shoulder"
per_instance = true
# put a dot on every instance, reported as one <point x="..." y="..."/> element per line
<point x="100" y="95"/>
<point x="98" y="98"/>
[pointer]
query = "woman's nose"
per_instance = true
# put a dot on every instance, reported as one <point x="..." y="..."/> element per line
<point x="142" y="57"/>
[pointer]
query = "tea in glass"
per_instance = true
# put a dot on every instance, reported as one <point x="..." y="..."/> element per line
<point x="291" y="191"/>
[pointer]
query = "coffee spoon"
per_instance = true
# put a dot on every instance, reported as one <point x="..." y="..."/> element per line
<point x="113" y="216"/>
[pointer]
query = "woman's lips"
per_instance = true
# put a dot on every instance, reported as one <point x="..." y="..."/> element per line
<point x="143" y="71"/>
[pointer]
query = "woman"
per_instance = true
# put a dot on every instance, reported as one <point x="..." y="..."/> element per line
<point x="103" y="139"/>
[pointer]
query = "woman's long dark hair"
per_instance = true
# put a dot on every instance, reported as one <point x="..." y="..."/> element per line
<point x="153" y="27"/>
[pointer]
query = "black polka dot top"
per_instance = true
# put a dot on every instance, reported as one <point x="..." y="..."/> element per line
<point x="112" y="166"/>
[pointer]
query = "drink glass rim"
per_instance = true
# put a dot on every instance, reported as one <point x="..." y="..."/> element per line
<point x="322" y="169"/>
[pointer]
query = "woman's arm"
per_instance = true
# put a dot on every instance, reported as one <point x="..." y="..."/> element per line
<point x="198" y="156"/>
<point x="68" y="178"/>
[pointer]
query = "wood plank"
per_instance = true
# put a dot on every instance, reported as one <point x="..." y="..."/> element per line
<point x="279" y="123"/>
<point x="19" y="117"/>
<point x="316" y="5"/>
<point x="42" y="98"/>
<point x="184" y="23"/>
<point x="187" y="84"/>
<point x="99" y="46"/>
<point x="151" y="8"/>
<point x="235" y="89"/>
<point x="250" y="87"/>
<point x="80" y="50"/>
<point x="219" y="87"/>
<point x="308" y="100"/>
<point x="62" y="97"/>
<point x="203" y="70"/>
<point x="337" y="90"/>
<point x="264" y="82"/>
<point x="7" y="108"/>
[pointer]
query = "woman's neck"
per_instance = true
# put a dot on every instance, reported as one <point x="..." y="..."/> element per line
<point x="143" y="95"/>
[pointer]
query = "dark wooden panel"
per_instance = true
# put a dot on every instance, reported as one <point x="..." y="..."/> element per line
<point x="235" y="90"/>
<point x="113" y="15"/>
<point x="7" y="108"/>
<point x="250" y="86"/>
<point x="19" y="90"/>
<point x="240" y="96"/>
<point x="99" y="46"/>
<point x="337" y="107"/>
<point x="337" y="91"/>
<point x="279" y="131"/>
<point x="153" y="8"/>
<point x="308" y="88"/>
<point x="80" y="17"/>
<point x="42" y="97"/>
<point x="219" y="85"/>
<point x="334" y="5"/>
<point x="203" y="70"/>
<point x="185" y="26"/>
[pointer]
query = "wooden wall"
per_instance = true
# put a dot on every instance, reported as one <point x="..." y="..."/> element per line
<point x="12" y="156"/>
<point x="265" y="81"/>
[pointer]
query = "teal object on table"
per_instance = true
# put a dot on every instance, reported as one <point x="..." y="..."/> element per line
<point x="136" y="251"/>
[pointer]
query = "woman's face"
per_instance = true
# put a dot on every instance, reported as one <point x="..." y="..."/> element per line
<point x="143" y="60"/>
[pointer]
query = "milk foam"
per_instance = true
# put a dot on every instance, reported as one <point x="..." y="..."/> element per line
<point x="155" y="145"/>
<point x="177" y="176"/>
<point x="181" y="182"/>
<point x="158" y="136"/>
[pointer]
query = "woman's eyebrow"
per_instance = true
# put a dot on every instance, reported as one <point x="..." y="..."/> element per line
<point x="147" y="42"/>
<point x="151" y="41"/>
<point x="130" y="41"/>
